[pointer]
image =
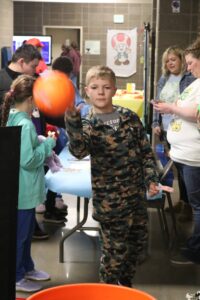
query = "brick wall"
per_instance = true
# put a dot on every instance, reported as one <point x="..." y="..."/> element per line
<point x="95" y="19"/>
<point x="175" y="28"/>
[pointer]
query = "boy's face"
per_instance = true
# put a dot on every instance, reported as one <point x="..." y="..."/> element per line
<point x="28" y="68"/>
<point x="100" y="92"/>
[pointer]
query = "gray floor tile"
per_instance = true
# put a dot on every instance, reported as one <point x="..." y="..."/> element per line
<point x="156" y="275"/>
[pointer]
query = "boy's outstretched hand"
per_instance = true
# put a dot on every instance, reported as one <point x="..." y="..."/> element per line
<point x="153" y="189"/>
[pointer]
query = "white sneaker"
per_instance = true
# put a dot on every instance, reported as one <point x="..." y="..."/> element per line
<point x="28" y="286"/>
<point x="195" y="296"/>
<point x="40" y="209"/>
<point x="37" y="275"/>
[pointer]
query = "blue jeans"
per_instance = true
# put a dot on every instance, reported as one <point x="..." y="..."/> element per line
<point x="191" y="178"/>
<point x="25" y="229"/>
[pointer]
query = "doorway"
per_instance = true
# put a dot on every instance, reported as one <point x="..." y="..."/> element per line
<point x="64" y="35"/>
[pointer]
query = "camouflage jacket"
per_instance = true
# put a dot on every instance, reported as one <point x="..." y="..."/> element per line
<point x="122" y="161"/>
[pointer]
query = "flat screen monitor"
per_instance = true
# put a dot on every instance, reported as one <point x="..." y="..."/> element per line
<point x="46" y="51"/>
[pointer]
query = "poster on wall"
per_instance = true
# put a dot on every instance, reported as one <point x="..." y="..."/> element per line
<point x="122" y="51"/>
<point x="92" y="47"/>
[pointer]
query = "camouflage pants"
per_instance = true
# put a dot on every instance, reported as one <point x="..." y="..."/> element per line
<point x="122" y="241"/>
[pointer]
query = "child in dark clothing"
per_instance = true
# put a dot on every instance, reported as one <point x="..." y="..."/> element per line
<point x="123" y="169"/>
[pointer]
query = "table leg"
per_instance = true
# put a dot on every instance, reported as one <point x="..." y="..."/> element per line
<point x="79" y="226"/>
<point x="78" y="209"/>
<point x="75" y="228"/>
<point x="173" y="217"/>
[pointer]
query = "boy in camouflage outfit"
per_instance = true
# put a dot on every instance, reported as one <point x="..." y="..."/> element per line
<point x="122" y="168"/>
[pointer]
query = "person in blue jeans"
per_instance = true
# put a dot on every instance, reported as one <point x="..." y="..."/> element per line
<point x="184" y="138"/>
<point x="16" y="111"/>
<point x="173" y="81"/>
<point x="65" y="65"/>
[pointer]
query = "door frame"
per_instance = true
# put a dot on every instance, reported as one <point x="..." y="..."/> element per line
<point x="45" y="27"/>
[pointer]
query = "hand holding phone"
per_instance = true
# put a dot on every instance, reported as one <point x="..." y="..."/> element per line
<point x="155" y="101"/>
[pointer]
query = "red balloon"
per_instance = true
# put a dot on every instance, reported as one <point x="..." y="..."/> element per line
<point x="53" y="93"/>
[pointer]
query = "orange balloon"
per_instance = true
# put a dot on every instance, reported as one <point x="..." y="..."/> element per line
<point x="53" y="93"/>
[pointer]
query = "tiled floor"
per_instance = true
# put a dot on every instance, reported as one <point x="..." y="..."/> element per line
<point x="156" y="275"/>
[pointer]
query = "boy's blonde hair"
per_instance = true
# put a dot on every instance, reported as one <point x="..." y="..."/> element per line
<point x="100" y="72"/>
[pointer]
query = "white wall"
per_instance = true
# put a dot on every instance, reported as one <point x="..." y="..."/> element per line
<point x="6" y="23"/>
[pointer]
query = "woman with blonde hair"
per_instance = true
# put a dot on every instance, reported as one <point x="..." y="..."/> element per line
<point x="173" y="81"/>
<point x="184" y="138"/>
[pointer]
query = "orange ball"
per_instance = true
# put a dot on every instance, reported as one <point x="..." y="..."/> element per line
<point x="53" y="93"/>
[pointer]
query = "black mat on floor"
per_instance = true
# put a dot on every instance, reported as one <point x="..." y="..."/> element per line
<point x="9" y="171"/>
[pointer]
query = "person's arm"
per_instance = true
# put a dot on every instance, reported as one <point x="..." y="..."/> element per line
<point x="79" y="139"/>
<point x="33" y="154"/>
<point x="147" y="155"/>
<point x="156" y="115"/>
<point x="187" y="113"/>
<point x="156" y="119"/>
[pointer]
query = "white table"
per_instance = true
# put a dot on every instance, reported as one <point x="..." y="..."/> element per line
<point x="74" y="179"/>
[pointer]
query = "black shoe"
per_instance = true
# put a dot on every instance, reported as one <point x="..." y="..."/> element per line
<point x="54" y="218"/>
<point x="180" y="259"/>
<point x="125" y="282"/>
<point x="61" y="212"/>
<point x="40" y="235"/>
<point x="59" y="203"/>
<point x="191" y="255"/>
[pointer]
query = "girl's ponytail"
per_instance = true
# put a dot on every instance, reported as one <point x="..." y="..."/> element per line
<point x="7" y="103"/>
